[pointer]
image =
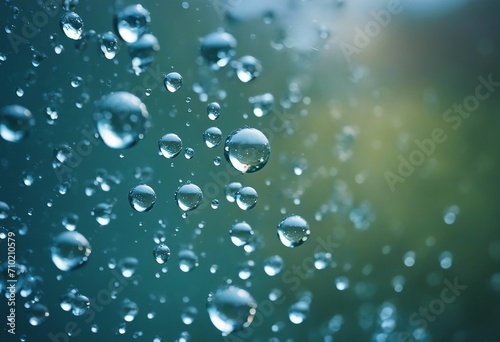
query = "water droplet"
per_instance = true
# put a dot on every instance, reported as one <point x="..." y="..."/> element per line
<point x="189" y="314"/>
<point x="214" y="203"/>
<point x="450" y="214"/>
<point x="188" y="260"/>
<point x="72" y="25"/>
<point x="273" y="265"/>
<point x="293" y="231"/>
<point x="102" y="213"/>
<point x="170" y="145"/>
<point x="212" y="137"/>
<point x="231" y="309"/>
<point x="217" y="160"/>
<point x="342" y="283"/>
<point x="445" y="260"/>
<point x="173" y="82"/>
<point x="37" y="314"/>
<point x="247" y="68"/>
<point x="108" y="42"/>
<point x="230" y="191"/>
<point x="70" y="250"/>
<point x="246" y="198"/>
<point x="132" y="22"/>
<point x="15" y="123"/>
<point x="128" y="266"/>
<point x="76" y="81"/>
<point x="247" y="150"/>
<point x="70" y="221"/>
<point x="322" y="260"/>
<point x="69" y="5"/>
<point x="142" y="198"/>
<point x="217" y="49"/>
<point x="188" y="196"/>
<point x="298" y="312"/>
<point x="129" y="310"/>
<point x="240" y="233"/>
<point x="409" y="258"/>
<point x="161" y="253"/>
<point x="122" y="119"/>
<point x="213" y="110"/>
<point x="80" y="305"/>
<point x="262" y="104"/>
<point x="189" y="153"/>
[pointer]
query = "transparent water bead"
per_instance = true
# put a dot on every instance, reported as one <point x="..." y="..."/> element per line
<point x="262" y="104"/>
<point x="246" y="198"/>
<point x="170" y="145"/>
<point x="247" y="150"/>
<point x="132" y="22"/>
<point x="128" y="266"/>
<point x="188" y="197"/>
<point x="142" y="198"/>
<point x="173" y="82"/>
<point x="213" y="110"/>
<point x="72" y="25"/>
<point x="293" y="231"/>
<point x="212" y="137"/>
<point x="70" y="250"/>
<point x="230" y="191"/>
<point x="108" y="43"/>
<point x="69" y="5"/>
<point x="80" y="305"/>
<point x="122" y="119"/>
<point x="15" y="123"/>
<point x="217" y="49"/>
<point x="37" y="314"/>
<point x="188" y="260"/>
<point x="247" y="68"/>
<point x="161" y="253"/>
<point x="298" y="312"/>
<point x="189" y="314"/>
<point x="241" y="233"/>
<point x="231" y="309"/>
<point x="273" y="265"/>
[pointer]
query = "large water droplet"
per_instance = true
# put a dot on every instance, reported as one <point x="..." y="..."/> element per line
<point x="230" y="191"/>
<point x="15" y="123"/>
<point x="247" y="150"/>
<point x="217" y="49"/>
<point x="80" y="305"/>
<point x="247" y="68"/>
<point x="188" y="196"/>
<point x="231" y="309"/>
<point x="170" y="145"/>
<point x="122" y="119"/>
<point x="142" y="198"/>
<point x="273" y="265"/>
<point x="293" y="231"/>
<point x="132" y="22"/>
<point x="173" y="82"/>
<point x="70" y="250"/>
<point x="240" y="233"/>
<point x="298" y="312"/>
<point x="246" y="198"/>
<point x="72" y="25"/>
<point x="212" y="137"/>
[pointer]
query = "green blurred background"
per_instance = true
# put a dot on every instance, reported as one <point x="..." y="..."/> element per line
<point x="349" y="120"/>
